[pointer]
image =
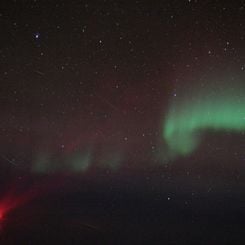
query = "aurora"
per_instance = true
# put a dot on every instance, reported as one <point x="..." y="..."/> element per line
<point x="214" y="108"/>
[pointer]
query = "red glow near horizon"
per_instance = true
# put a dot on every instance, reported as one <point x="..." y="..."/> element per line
<point x="17" y="196"/>
<point x="5" y="206"/>
<point x="4" y="209"/>
<point x="1" y="214"/>
<point x="14" y="197"/>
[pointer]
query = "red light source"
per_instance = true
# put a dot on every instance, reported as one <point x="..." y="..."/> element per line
<point x="1" y="214"/>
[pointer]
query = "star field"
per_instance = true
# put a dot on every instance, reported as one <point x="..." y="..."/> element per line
<point x="132" y="107"/>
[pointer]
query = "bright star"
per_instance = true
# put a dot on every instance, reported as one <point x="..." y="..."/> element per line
<point x="37" y="35"/>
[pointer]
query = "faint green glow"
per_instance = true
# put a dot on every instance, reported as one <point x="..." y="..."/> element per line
<point x="217" y="109"/>
<point x="42" y="164"/>
<point x="76" y="162"/>
<point x="80" y="162"/>
<point x="112" y="160"/>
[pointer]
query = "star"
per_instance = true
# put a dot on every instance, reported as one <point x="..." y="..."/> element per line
<point x="37" y="35"/>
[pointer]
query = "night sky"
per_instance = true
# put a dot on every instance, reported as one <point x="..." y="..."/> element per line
<point x="122" y="122"/>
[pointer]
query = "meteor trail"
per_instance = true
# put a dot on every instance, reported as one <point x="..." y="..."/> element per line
<point x="40" y="73"/>
<point x="7" y="159"/>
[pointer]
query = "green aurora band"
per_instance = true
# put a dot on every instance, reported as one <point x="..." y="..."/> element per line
<point x="219" y="108"/>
